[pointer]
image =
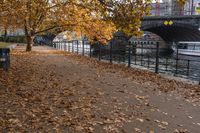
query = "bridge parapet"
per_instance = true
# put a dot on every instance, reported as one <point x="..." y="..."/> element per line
<point x="193" y="20"/>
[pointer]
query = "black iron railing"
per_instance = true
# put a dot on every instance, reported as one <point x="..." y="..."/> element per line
<point x="144" y="54"/>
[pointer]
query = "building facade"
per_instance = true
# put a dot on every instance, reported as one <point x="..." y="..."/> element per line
<point x="172" y="7"/>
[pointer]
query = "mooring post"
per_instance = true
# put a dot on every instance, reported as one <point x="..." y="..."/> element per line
<point x="157" y="57"/>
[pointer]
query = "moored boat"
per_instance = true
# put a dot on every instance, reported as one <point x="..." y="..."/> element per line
<point x="187" y="48"/>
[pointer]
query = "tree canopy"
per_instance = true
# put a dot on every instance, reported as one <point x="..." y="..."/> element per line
<point x="97" y="19"/>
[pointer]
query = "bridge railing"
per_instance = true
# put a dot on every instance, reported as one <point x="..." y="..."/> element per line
<point x="148" y="55"/>
<point x="169" y="11"/>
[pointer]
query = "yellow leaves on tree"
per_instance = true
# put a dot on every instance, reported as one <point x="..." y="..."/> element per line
<point x="85" y="21"/>
<point x="97" y="19"/>
<point x="127" y="15"/>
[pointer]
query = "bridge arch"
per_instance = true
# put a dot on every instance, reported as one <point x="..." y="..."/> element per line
<point x="182" y="29"/>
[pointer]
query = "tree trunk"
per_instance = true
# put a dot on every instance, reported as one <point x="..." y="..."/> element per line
<point x="29" y="39"/>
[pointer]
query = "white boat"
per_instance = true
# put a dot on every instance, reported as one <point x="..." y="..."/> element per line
<point x="187" y="48"/>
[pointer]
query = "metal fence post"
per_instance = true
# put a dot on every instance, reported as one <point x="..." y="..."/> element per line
<point x="72" y="46"/>
<point x="129" y="54"/>
<point x="70" y="49"/>
<point x="90" y="49"/>
<point x="68" y="46"/>
<point x="59" y="45"/>
<point x="64" y="46"/>
<point x="77" y="46"/>
<point x="111" y="52"/>
<point x="135" y="48"/>
<point x="157" y="57"/>
<point x="166" y="65"/>
<point x="188" y="67"/>
<point x="177" y="51"/>
<point x="83" y="51"/>
<point x="99" y="51"/>
<point x="141" y="53"/>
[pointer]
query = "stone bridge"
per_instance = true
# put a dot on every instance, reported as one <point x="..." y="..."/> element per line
<point x="173" y="28"/>
<point x="169" y="28"/>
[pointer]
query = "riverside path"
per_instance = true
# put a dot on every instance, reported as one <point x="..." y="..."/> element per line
<point x="52" y="91"/>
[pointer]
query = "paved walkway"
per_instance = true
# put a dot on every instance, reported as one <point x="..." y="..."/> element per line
<point x="51" y="91"/>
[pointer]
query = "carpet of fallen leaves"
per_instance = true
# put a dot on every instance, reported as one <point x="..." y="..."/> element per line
<point x="61" y="92"/>
<point x="154" y="81"/>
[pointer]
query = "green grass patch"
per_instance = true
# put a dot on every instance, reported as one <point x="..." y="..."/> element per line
<point x="3" y="45"/>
